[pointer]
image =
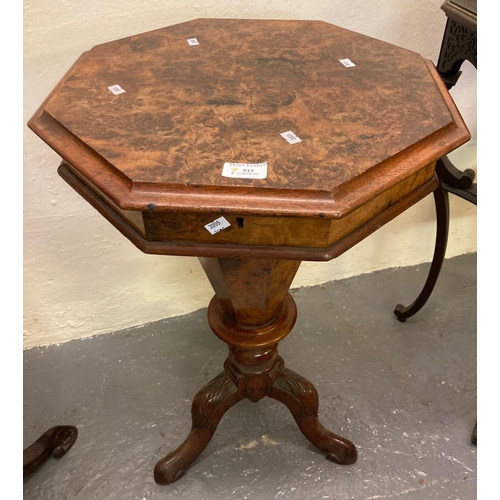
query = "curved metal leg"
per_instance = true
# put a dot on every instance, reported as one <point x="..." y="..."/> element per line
<point x="55" y="442"/>
<point x="301" y="398"/>
<point x="442" y="226"/>
<point x="209" y="405"/>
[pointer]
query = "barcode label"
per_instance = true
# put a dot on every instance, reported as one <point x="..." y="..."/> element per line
<point x="290" y="137"/>
<point x="116" y="89"/>
<point x="217" y="225"/>
<point x="347" y="63"/>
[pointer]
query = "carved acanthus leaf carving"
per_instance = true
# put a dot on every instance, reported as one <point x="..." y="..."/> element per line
<point x="207" y="400"/>
<point x="299" y="387"/>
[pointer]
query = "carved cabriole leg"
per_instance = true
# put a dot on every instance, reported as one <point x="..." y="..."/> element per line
<point x="442" y="226"/>
<point x="301" y="398"/>
<point x="252" y="311"/>
<point x="208" y="407"/>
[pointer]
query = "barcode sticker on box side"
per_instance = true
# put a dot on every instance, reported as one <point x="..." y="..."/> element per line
<point x="290" y="137"/>
<point x="192" y="41"/>
<point x="347" y="63"/>
<point x="116" y="89"/>
<point x="245" y="170"/>
<point x="217" y="225"/>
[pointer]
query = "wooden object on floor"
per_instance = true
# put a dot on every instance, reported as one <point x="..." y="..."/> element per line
<point x="145" y="125"/>
<point x="55" y="442"/>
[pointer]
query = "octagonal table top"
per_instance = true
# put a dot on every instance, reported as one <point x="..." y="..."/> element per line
<point x="151" y="119"/>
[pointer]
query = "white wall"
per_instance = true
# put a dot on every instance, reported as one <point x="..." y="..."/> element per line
<point x="81" y="277"/>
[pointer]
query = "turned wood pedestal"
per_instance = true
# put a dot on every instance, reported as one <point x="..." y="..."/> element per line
<point x="343" y="130"/>
<point x="252" y="311"/>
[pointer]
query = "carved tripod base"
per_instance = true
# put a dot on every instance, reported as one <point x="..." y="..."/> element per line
<point x="210" y="404"/>
<point x="253" y="369"/>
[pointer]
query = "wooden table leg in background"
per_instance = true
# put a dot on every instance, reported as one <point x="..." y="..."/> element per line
<point x="252" y="311"/>
<point x="442" y="226"/>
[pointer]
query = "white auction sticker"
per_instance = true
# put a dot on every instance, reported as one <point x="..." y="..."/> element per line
<point x="290" y="137"/>
<point x="245" y="170"/>
<point x="347" y="63"/>
<point x="217" y="225"/>
<point x="192" y="41"/>
<point x="116" y="89"/>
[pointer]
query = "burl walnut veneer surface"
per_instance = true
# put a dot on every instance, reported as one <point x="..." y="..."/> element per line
<point x="150" y="159"/>
<point x="188" y="109"/>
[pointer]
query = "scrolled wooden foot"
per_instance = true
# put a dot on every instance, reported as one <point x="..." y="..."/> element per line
<point x="301" y="398"/>
<point x="208" y="407"/>
<point x="55" y="442"/>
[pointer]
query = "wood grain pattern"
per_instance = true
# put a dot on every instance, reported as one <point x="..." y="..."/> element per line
<point x="251" y="292"/>
<point x="187" y="110"/>
<point x="189" y="227"/>
<point x="277" y="231"/>
<point x="214" y="249"/>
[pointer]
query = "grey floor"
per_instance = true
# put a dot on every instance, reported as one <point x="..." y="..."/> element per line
<point x="405" y="394"/>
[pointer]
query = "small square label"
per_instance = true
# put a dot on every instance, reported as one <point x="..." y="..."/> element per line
<point x="116" y="89"/>
<point x="290" y="137"/>
<point x="192" y="41"/>
<point x="245" y="170"/>
<point x="347" y="63"/>
<point x="217" y="225"/>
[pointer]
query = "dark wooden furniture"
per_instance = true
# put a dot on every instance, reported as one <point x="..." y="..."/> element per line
<point x="459" y="45"/>
<point x="55" y="442"/>
<point x="459" y="39"/>
<point x="150" y="160"/>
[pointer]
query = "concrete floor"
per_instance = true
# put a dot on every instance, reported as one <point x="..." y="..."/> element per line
<point x="405" y="394"/>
